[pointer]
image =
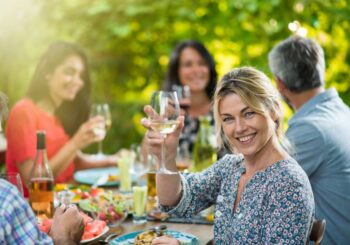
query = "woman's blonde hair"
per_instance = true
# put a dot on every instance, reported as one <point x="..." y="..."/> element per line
<point x="256" y="91"/>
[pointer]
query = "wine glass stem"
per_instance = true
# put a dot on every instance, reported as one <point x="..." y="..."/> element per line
<point x="162" y="161"/>
<point x="100" y="148"/>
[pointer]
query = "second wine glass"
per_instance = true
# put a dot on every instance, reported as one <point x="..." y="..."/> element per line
<point x="164" y="119"/>
<point x="103" y="111"/>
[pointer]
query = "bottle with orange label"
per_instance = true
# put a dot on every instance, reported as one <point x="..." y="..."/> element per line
<point x="41" y="185"/>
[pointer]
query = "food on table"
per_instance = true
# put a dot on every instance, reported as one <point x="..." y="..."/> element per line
<point x="79" y="192"/>
<point x="92" y="227"/>
<point x="45" y="225"/>
<point x="145" y="238"/>
<point x="112" y="178"/>
<point x="108" y="207"/>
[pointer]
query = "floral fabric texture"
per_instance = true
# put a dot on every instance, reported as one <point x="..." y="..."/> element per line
<point x="276" y="206"/>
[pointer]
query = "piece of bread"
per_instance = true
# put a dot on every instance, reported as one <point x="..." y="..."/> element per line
<point x="145" y="238"/>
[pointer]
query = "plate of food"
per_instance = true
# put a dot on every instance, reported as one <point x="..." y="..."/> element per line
<point x="67" y="193"/>
<point x="109" y="207"/>
<point x="93" y="229"/>
<point x="94" y="237"/>
<point x="146" y="237"/>
<point x="90" y="176"/>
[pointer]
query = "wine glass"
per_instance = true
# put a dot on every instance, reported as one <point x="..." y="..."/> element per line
<point x="183" y="158"/>
<point x="107" y="116"/>
<point x="139" y="165"/>
<point x="100" y="129"/>
<point x="14" y="179"/>
<point x="166" y="110"/>
<point x="183" y="95"/>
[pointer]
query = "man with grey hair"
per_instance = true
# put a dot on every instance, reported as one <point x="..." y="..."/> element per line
<point x="18" y="224"/>
<point x="319" y="130"/>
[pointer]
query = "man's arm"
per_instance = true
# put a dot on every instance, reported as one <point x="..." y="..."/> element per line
<point x="18" y="224"/>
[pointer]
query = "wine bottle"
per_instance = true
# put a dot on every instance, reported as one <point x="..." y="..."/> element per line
<point x="41" y="182"/>
<point x="204" y="153"/>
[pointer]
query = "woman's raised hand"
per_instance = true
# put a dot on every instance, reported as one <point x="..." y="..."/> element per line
<point x="154" y="139"/>
<point x="86" y="134"/>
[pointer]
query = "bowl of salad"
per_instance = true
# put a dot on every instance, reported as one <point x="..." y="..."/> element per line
<point x="109" y="207"/>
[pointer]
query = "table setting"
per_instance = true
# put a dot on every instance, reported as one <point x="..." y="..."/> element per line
<point x="99" y="196"/>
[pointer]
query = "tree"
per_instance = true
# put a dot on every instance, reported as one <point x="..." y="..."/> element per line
<point x="129" y="42"/>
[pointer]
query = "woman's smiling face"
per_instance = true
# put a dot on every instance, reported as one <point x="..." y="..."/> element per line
<point x="193" y="70"/>
<point x="247" y="131"/>
<point x="66" y="80"/>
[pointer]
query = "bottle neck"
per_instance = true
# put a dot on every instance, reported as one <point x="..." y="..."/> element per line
<point x="41" y="167"/>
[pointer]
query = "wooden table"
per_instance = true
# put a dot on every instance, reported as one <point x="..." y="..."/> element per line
<point x="203" y="232"/>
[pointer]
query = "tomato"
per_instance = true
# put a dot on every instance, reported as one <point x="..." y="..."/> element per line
<point x="94" y="192"/>
<point x="84" y="195"/>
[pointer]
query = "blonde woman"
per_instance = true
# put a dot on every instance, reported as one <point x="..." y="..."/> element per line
<point x="262" y="195"/>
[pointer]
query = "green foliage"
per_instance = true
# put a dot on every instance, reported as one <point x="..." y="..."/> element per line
<point x="129" y="42"/>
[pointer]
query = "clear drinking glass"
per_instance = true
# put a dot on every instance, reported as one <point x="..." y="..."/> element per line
<point x="15" y="179"/>
<point x="183" y="95"/>
<point x="125" y="165"/>
<point x="101" y="129"/>
<point x="140" y="204"/>
<point x="164" y="119"/>
<point x="183" y="158"/>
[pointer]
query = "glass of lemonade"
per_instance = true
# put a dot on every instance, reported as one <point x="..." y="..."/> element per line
<point x="124" y="165"/>
<point x="140" y="204"/>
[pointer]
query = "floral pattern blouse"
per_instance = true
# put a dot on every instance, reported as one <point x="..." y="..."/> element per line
<point x="276" y="206"/>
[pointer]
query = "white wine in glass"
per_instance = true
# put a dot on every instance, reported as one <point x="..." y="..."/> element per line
<point x="164" y="119"/>
<point x="101" y="128"/>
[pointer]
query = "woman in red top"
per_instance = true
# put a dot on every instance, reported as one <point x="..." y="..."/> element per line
<point x="58" y="102"/>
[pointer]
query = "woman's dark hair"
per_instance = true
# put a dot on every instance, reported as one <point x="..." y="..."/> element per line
<point x="173" y="70"/>
<point x="70" y="113"/>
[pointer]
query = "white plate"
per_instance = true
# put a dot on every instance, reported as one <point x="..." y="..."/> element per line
<point x="94" y="238"/>
<point x="90" y="176"/>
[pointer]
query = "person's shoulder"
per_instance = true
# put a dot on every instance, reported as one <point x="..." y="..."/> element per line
<point x="300" y="127"/>
<point x="23" y="108"/>
<point x="8" y="193"/>
<point x="290" y="172"/>
<point x="23" y="105"/>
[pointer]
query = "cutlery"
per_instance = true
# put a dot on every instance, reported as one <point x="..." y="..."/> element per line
<point x="100" y="181"/>
<point x="159" y="230"/>
<point x="108" y="238"/>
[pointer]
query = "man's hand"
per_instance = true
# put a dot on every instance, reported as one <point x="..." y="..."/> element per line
<point x="67" y="226"/>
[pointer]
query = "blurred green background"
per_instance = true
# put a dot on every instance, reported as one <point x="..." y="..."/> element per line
<point x="129" y="42"/>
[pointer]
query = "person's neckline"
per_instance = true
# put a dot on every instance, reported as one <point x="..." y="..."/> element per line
<point x="42" y="111"/>
<point x="304" y="109"/>
<point x="267" y="169"/>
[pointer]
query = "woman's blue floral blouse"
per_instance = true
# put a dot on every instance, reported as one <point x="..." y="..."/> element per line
<point x="276" y="206"/>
